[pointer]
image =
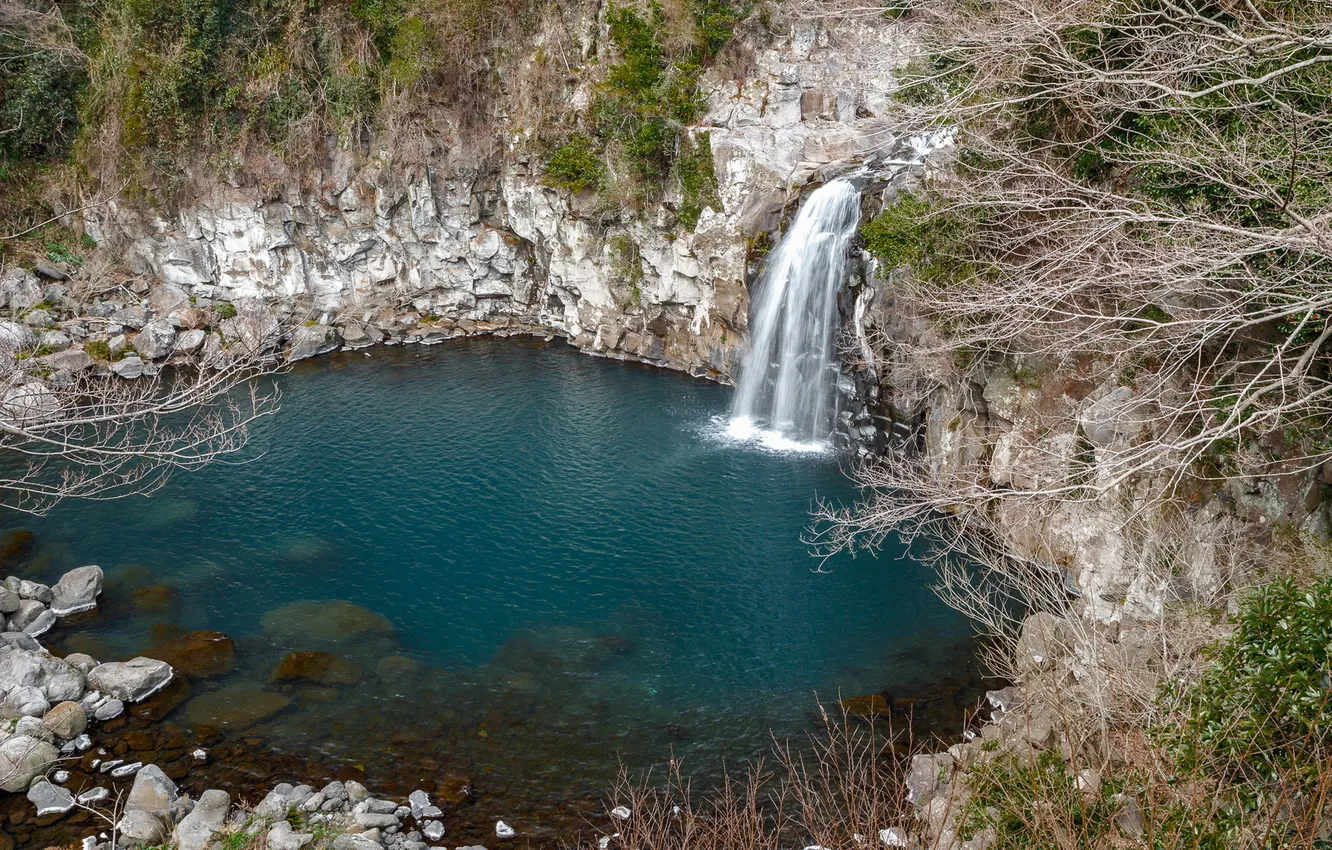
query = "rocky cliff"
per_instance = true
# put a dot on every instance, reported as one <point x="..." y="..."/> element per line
<point x="383" y="250"/>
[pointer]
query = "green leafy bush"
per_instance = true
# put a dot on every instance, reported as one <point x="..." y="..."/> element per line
<point x="575" y="165"/>
<point x="1259" y="718"/>
<point x="912" y="232"/>
<point x="38" y="113"/>
<point x="225" y="310"/>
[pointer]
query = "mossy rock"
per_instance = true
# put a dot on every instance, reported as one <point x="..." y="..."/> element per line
<point x="234" y="708"/>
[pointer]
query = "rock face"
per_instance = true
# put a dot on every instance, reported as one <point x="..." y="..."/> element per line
<point x="76" y="591"/>
<point x="131" y="681"/>
<point x="487" y="244"/>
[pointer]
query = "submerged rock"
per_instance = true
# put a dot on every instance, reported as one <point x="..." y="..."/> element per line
<point x="199" y="655"/>
<point x="50" y="799"/>
<point x="324" y="668"/>
<point x="156" y="599"/>
<point x="326" y="621"/>
<point x="870" y="705"/>
<point x="237" y="707"/>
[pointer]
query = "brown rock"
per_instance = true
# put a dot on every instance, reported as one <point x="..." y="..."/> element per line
<point x="165" y="701"/>
<point x="99" y="649"/>
<point x="234" y="708"/>
<point x="323" y="668"/>
<point x="199" y="655"/>
<point x="454" y="789"/>
<point x="156" y="599"/>
<point x="66" y="720"/>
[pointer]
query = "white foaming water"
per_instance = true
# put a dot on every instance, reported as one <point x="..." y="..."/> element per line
<point x="742" y="429"/>
<point x="786" y="395"/>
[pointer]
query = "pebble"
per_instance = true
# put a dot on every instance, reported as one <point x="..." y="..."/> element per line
<point x="106" y="766"/>
<point x="620" y="813"/>
<point x="433" y="830"/>
<point x="503" y="830"/>
<point x="200" y="755"/>
<point x="93" y="795"/>
<point x="60" y="776"/>
<point x="126" y="769"/>
<point x="109" y="710"/>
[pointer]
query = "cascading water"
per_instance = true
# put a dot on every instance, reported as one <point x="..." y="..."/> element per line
<point x="786" y="396"/>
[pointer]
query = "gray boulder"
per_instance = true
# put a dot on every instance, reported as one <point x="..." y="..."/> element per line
<point x="50" y="270"/>
<point x="283" y="837"/>
<point x="16" y="337"/>
<point x="313" y="340"/>
<point x="77" y="591"/>
<point x="56" y="680"/>
<point x="74" y="360"/>
<point x="84" y="663"/>
<point x="190" y="341"/>
<point x="20" y="290"/>
<point x="38" y="319"/>
<point x="153" y="791"/>
<point x="142" y="828"/>
<point x="27" y="613"/>
<point x="30" y="402"/>
<point x="129" y="368"/>
<point x="156" y="340"/>
<point x="197" y="829"/>
<point x="133" y="680"/>
<point x="352" y="841"/>
<point x="21" y="759"/>
<point x="41" y="624"/>
<point x="19" y="640"/>
<point x="54" y="341"/>
<point x="35" y="590"/>
<point x="9" y="600"/>
<point x="26" y="701"/>
<point x="1043" y="641"/>
<point x="50" y="799"/>
<point x="132" y="316"/>
<point x="255" y="328"/>
<point x="273" y="807"/>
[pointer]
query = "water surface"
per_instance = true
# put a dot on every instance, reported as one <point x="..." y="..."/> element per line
<point x="577" y="569"/>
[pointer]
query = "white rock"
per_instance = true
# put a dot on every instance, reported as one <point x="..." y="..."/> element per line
<point x="197" y="829"/>
<point x="133" y="680"/>
<point x="893" y="836"/>
<point x="620" y="813"/>
<point x="503" y="830"/>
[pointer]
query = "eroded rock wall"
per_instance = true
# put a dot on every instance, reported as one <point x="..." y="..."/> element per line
<point x="377" y="248"/>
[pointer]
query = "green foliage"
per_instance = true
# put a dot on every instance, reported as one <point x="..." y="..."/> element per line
<point x="225" y="310"/>
<point x="1258" y="719"/>
<point x="651" y="93"/>
<point x="698" y="180"/>
<point x="912" y="232"/>
<point x="576" y="165"/>
<point x="38" y="112"/>
<point x="97" y="349"/>
<point x="1017" y="797"/>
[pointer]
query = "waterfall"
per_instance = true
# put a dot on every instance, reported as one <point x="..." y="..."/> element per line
<point x="787" y="391"/>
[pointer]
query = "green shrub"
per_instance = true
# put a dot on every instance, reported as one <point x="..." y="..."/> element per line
<point x="575" y="165"/>
<point x="1259" y="717"/>
<point x="38" y="113"/>
<point x="97" y="349"/>
<point x="225" y="310"/>
<point x="912" y="232"/>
